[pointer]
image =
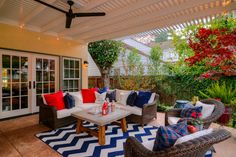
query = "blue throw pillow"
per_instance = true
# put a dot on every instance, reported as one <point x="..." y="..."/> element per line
<point x="180" y="128"/>
<point x="69" y="101"/>
<point x="142" y="98"/>
<point x="187" y="112"/>
<point x="165" y="138"/>
<point x="111" y="95"/>
<point x="131" y="98"/>
<point x="100" y="91"/>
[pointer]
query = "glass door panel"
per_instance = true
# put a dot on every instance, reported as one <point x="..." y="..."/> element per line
<point x="14" y="84"/>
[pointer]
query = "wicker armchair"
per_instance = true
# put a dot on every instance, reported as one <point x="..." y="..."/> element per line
<point x="48" y="117"/>
<point x="149" y="112"/>
<point x="218" y="111"/>
<point x="193" y="148"/>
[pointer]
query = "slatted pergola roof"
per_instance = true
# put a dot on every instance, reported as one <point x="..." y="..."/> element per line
<point x="123" y="17"/>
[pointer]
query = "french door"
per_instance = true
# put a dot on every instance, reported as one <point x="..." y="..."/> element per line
<point x="23" y="78"/>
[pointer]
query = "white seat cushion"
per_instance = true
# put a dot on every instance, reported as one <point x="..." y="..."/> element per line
<point x="63" y="113"/>
<point x="173" y="120"/>
<point x="86" y="106"/>
<point x="67" y="112"/>
<point x="133" y="109"/>
<point x="207" y="109"/>
<point x="193" y="136"/>
<point x="149" y="144"/>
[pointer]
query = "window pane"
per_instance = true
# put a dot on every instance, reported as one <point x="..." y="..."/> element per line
<point x="6" y="104"/>
<point x="39" y="88"/>
<point x="72" y="74"/>
<point x="52" y="87"/>
<point x="39" y="64"/>
<point x="45" y="88"/>
<point x="76" y="85"/>
<point x="66" y="63"/>
<point x="76" y="73"/>
<point x="65" y="84"/>
<point x="24" y="62"/>
<point x="15" y="62"/>
<point x="24" y="89"/>
<point x="52" y="76"/>
<point x="6" y="76"/>
<point x="24" y="102"/>
<point x="72" y="63"/>
<point x="6" y="61"/>
<point x="15" y="103"/>
<point x="15" y="89"/>
<point x="45" y="76"/>
<point x="52" y="65"/>
<point x="39" y="76"/>
<point x="45" y="64"/>
<point x="15" y="76"/>
<point x="6" y="90"/>
<point x="24" y="76"/>
<point x="66" y="74"/>
<point x="77" y="64"/>
<point x="71" y="84"/>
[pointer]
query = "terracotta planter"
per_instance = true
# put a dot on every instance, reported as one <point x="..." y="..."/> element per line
<point x="226" y="116"/>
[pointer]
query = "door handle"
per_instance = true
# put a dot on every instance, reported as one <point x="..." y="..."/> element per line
<point x="33" y="84"/>
<point x="29" y="84"/>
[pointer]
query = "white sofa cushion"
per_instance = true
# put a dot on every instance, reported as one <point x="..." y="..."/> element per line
<point x="133" y="109"/>
<point x="173" y="120"/>
<point x="67" y="112"/>
<point x="123" y="98"/>
<point x="118" y="92"/>
<point x="149" y="144"/>
<point x="100" y="98"/>
<point x="88" y="106"/>
<point x="193" y="136"/>
<point x="207" y="109"/>
<point x="152" y="98"/>
<point x="78" y="98"/>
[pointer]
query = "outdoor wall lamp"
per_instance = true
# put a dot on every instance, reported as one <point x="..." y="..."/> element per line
<point x="85" y="65"/>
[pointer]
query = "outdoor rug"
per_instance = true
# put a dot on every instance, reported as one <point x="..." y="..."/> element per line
<point x="69" y="144"/>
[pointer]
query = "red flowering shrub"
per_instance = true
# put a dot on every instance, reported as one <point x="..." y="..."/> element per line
<point x="217" y="49"/>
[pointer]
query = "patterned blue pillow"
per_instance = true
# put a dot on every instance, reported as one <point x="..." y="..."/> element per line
<point x="69" y="101"/>
<point x="180" y="128"/>
<point x="111" y="95"/>
<point x="102" y="90"/>
<point x="142" y="98"/>
<point x="165" y="138"/>
<point x="187" y="112"/>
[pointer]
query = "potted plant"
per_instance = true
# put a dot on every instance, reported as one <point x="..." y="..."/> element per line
<point x="226" y="93"/>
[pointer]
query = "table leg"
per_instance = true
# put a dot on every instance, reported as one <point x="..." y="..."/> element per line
<point x="101" y="135"/>
<point x="123" y="124"/>
<point x="79" y="126"/>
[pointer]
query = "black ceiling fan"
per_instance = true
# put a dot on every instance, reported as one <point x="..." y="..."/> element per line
<point x="69" y="14"/>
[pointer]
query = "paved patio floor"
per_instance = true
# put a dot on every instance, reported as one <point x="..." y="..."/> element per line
<point x="17" y="138"/>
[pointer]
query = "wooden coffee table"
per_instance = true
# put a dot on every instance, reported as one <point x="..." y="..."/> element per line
<point x="117" y="117"/>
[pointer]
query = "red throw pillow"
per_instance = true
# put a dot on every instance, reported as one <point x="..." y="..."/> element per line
<point x="88" y="95"/>
<point x="55" y="99"/>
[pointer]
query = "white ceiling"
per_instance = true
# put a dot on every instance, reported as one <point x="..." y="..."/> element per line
<point x="123" y="17"/>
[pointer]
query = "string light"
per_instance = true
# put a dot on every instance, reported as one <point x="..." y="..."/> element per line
<point x="58" y="38"/>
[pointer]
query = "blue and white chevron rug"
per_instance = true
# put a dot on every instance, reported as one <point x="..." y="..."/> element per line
<point x="69" y="144"/>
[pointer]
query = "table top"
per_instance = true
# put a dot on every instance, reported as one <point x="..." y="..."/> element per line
<point x="100" y="119"/>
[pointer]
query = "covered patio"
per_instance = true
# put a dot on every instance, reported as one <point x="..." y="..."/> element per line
<point x="42" y="58"/>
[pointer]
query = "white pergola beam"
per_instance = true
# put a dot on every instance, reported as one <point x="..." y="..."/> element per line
<point x="2" y="3"/>
<point x="141" y="19"/>
<point x="160" y="24"/>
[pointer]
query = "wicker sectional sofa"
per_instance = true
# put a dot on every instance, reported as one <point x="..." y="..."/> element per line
<point x="52" y="118"/>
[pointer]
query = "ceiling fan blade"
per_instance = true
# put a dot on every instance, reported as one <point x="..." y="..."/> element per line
<point x="89" y="14"/>
<point x="68" y="21"/>
<point x="51" y="6"/>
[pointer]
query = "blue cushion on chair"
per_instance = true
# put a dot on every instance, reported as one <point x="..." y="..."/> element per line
<point x="165" y="138"/>
<point x="187" y="112"/>
<point x="102" y="90"/>
<point x="142" y="98"/>
<point x="180" y="128"/>
<point x="131" y="98"/>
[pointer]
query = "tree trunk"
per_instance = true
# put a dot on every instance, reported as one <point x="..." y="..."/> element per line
<point x="105" y="77"/>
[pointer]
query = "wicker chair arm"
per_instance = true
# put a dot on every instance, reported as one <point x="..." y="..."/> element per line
<point x="195" y="147"/>
<point x="48" y="112"/>
<point x="172" y="113"/>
